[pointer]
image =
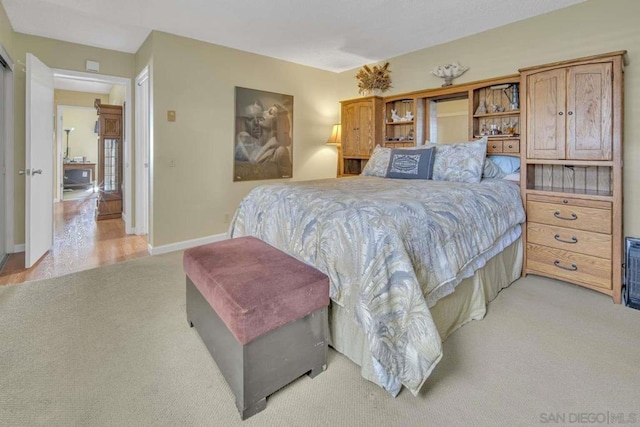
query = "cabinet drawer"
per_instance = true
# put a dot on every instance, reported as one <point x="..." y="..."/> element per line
<point x="511" y="146"/>
<point x="598" y="204"/>
<point x="583" y="242"/>
<point x="576" y="217"/>
<point x="494" y="147"/>
<point x="569" y="266"/>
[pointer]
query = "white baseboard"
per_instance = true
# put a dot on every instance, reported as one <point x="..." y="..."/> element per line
<point x="19" y="248"/>
<point x="158" y="250"/>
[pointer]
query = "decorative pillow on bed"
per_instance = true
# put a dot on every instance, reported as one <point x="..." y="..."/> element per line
<point x="411" y="164"/>
<point x="508" y="164"/>
<point x="491" y="170"/>
<point x="379" y="161"/>
<point x="460" y="162"/>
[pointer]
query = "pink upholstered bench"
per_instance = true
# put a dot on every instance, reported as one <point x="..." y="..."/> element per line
<point x="261" y="313"/>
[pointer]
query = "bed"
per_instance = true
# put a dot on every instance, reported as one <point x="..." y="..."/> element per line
<point x="395" y="250"/>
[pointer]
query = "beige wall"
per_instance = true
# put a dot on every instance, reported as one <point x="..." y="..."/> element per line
<point x="593" y="27"/>
<point x="117" y="95"/>
<point x="78" y="99"/>
<point x="197" y="80"/>
<point x="83" y="142"/>
<point x="6" y="32"/>
<point x="60" y="55"/>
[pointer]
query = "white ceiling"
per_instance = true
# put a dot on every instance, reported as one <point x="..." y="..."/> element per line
<point x="335" y="35"/>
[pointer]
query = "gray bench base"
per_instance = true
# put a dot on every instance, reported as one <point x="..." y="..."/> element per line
<point x="266" y="364"/>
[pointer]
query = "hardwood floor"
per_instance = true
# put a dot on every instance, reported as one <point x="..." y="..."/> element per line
<point x="80" y="243"/>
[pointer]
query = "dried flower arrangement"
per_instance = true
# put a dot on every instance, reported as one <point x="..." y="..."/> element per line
<point x="376" y="77"/>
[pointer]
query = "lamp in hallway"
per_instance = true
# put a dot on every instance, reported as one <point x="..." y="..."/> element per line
<point x="68" y="131"/>
<point x="336" y="139"/>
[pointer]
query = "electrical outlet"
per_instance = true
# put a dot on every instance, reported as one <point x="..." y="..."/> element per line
<point x="172" y="163"/>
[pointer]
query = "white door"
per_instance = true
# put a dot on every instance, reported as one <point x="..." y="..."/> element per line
<point x="39" y="160"/>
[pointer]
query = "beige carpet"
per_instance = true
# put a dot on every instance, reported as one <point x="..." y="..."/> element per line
<point x="111" y="347"/>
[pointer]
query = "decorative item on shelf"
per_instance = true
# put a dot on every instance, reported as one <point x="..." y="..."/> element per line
<point x="510" y="129"/>
<point x="484" y="131"/>
<point x="66" y="153"/>
<point x="482" y="107"/>
<point x="495" y="130"/>
<point x="408" y="117"/>
<point x="374" y="78"/>
<point x="514" y="97"/>
<point x="410" y="135"/>
<point x="449" y="72"/>
<point x="394" y="116"/>
<point x="512" y="93"/>
<point x="497" y="108"/>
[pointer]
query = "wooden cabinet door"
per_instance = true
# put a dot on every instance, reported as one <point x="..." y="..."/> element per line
<point x="589" y="112"/>
<point x="357" y="129"/>
<point x="546" y="114"/>
<point x="350" y="126"/>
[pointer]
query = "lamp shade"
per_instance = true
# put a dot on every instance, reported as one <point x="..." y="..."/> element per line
<point x="336" y="136"/>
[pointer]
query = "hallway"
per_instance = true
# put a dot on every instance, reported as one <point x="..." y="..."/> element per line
<point x="80" y="243"/>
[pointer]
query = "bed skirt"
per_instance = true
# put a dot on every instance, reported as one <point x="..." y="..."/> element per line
<point x="468" y="302"/>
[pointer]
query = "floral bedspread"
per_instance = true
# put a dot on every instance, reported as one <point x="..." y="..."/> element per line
<point x="391" y="248"/>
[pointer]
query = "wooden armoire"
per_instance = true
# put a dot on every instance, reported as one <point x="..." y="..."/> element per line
<point x="572" y="171"/>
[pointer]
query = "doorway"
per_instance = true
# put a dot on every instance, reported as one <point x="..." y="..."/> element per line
<point x="124" y="245"/>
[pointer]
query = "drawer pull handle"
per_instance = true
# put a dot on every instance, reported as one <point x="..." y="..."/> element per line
<point x="565" y="201"/>
<point x="573" y="216"/>
<point x="573" y="239"/>
<point x="572" y="268"/>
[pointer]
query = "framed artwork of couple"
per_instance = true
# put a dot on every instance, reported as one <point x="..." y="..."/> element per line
<point x="263" y="135"/>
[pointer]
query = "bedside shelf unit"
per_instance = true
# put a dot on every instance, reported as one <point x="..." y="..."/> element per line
<point x="404" y="133"/>
<point x="571" y="171"/>
<point x="496" y="94"/>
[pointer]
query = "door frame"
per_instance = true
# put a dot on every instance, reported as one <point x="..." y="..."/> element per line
<point x="127" y="147"/>
<point x="9" y="192"/>
<point x="143" y="150"/>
